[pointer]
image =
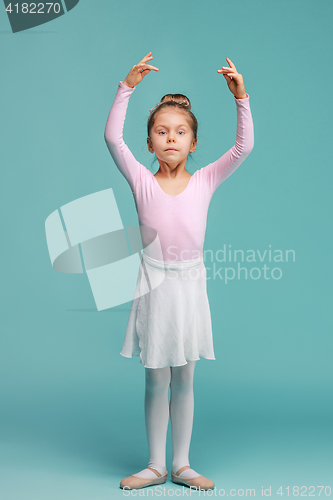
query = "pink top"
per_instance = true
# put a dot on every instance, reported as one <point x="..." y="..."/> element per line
<point x="180" y="220"/>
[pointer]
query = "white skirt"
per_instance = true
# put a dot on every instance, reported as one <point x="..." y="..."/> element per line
<point x="171" y="323"/>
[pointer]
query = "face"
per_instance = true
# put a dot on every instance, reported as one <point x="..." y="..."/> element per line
<point x="171" y="137"/>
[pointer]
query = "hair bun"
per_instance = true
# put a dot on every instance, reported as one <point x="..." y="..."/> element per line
<point x="180" y="98"/>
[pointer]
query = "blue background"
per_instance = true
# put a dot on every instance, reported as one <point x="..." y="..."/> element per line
<point x="72" y="415"/>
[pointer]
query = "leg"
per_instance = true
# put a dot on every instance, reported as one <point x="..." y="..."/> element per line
<point x="181" y="413"/>
<point x="157" y="418"/>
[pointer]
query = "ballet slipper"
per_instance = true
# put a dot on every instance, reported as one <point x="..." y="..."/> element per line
<point x="132" y="482"/>
<point x="197" y="482"/>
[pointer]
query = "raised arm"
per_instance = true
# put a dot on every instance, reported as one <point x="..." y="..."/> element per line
<point x="122" y="156"/>
<point x="217" y="172"/>
<point x="131" y="169"/>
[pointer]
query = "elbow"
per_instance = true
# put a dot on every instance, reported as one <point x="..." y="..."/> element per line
<point x="106" y="137"/>
<point x="244" y="150"/>
<point x="109" y="137"/>
<point x="250" y="143"/>
<point x="249" y="147"/>
<point x="110" y="131"/>
<point x="110" y="143"/>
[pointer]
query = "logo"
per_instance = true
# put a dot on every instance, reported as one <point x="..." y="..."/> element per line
<point x="87" y="236"/>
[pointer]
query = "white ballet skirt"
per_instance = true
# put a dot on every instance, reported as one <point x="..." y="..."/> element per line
<point x="169" y="324"/>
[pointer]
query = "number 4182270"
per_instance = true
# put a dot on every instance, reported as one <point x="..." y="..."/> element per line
<point x="33" y="8"/>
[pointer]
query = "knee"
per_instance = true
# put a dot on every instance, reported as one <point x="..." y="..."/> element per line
<point x="182" y="381"/>
<point x="158" y="380"/>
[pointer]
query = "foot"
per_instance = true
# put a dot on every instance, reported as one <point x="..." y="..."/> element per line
<point x="146" y="477"/>
<point x="187" y="476"/>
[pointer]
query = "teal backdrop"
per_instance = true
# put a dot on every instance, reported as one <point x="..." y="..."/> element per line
<point x="72" y="412"/>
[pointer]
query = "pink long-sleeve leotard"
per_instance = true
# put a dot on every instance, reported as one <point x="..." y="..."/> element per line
<point x="180" y="221"/>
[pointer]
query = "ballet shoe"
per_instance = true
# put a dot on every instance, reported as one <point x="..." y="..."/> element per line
<point x="197" y="482"/>
<point x="132" y="482"/>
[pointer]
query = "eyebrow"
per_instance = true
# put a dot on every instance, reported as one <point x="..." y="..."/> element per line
<point x="164" y="126"/>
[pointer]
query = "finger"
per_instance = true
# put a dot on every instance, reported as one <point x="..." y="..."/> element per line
<point x="146" y="56"/>
<point x="140" y="66"/>
<point x="228" y="79"/>
<point x="143" y="61"/>
<point x="227" y="71"/>
<point x="225" y="76"/>
<point x="144" y="73"/>
<point x="148" y="66"/>
<point x="231" y="64"/>
<point x="229" y="68"/>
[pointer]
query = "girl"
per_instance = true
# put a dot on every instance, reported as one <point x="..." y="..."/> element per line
<point x="170" y="327"/>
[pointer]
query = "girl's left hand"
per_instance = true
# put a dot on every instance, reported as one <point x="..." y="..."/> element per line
<point x="234" y="79"/>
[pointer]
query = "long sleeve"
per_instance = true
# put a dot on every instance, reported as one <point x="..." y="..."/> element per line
<point x="131" y="169"/>
<point x="217" y="172"/>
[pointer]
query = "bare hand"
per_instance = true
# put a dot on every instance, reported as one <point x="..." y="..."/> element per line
<point x="234" y="79"/>
<point x="139" y="71"/>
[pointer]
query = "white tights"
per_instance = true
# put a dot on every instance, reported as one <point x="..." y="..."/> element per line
<point x="157" y="410"/>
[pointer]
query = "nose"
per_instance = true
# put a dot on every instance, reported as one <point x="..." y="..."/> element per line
<point x="171" y="138"/>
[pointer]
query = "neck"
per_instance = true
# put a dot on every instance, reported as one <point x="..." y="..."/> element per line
<point x="172" y="169"/>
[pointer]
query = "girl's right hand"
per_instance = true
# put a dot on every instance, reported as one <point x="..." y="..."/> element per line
<point x="139" y="71"/>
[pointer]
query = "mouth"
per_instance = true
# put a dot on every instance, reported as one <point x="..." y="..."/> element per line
<point x="171" y="149"/>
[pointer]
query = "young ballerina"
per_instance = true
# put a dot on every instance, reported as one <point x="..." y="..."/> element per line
<point x="170" y="327"/>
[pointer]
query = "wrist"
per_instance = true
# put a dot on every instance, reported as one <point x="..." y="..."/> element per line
<point x="127" y="85"/>
<point x="242" y="97"/>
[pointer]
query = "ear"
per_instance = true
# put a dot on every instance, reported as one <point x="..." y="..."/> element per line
<point x="150" y="145"/>
<point x="194" y="146"/>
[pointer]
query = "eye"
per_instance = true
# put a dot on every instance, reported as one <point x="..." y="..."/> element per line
<point x="181" y="132"/>
<point x="162" y="132"/>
